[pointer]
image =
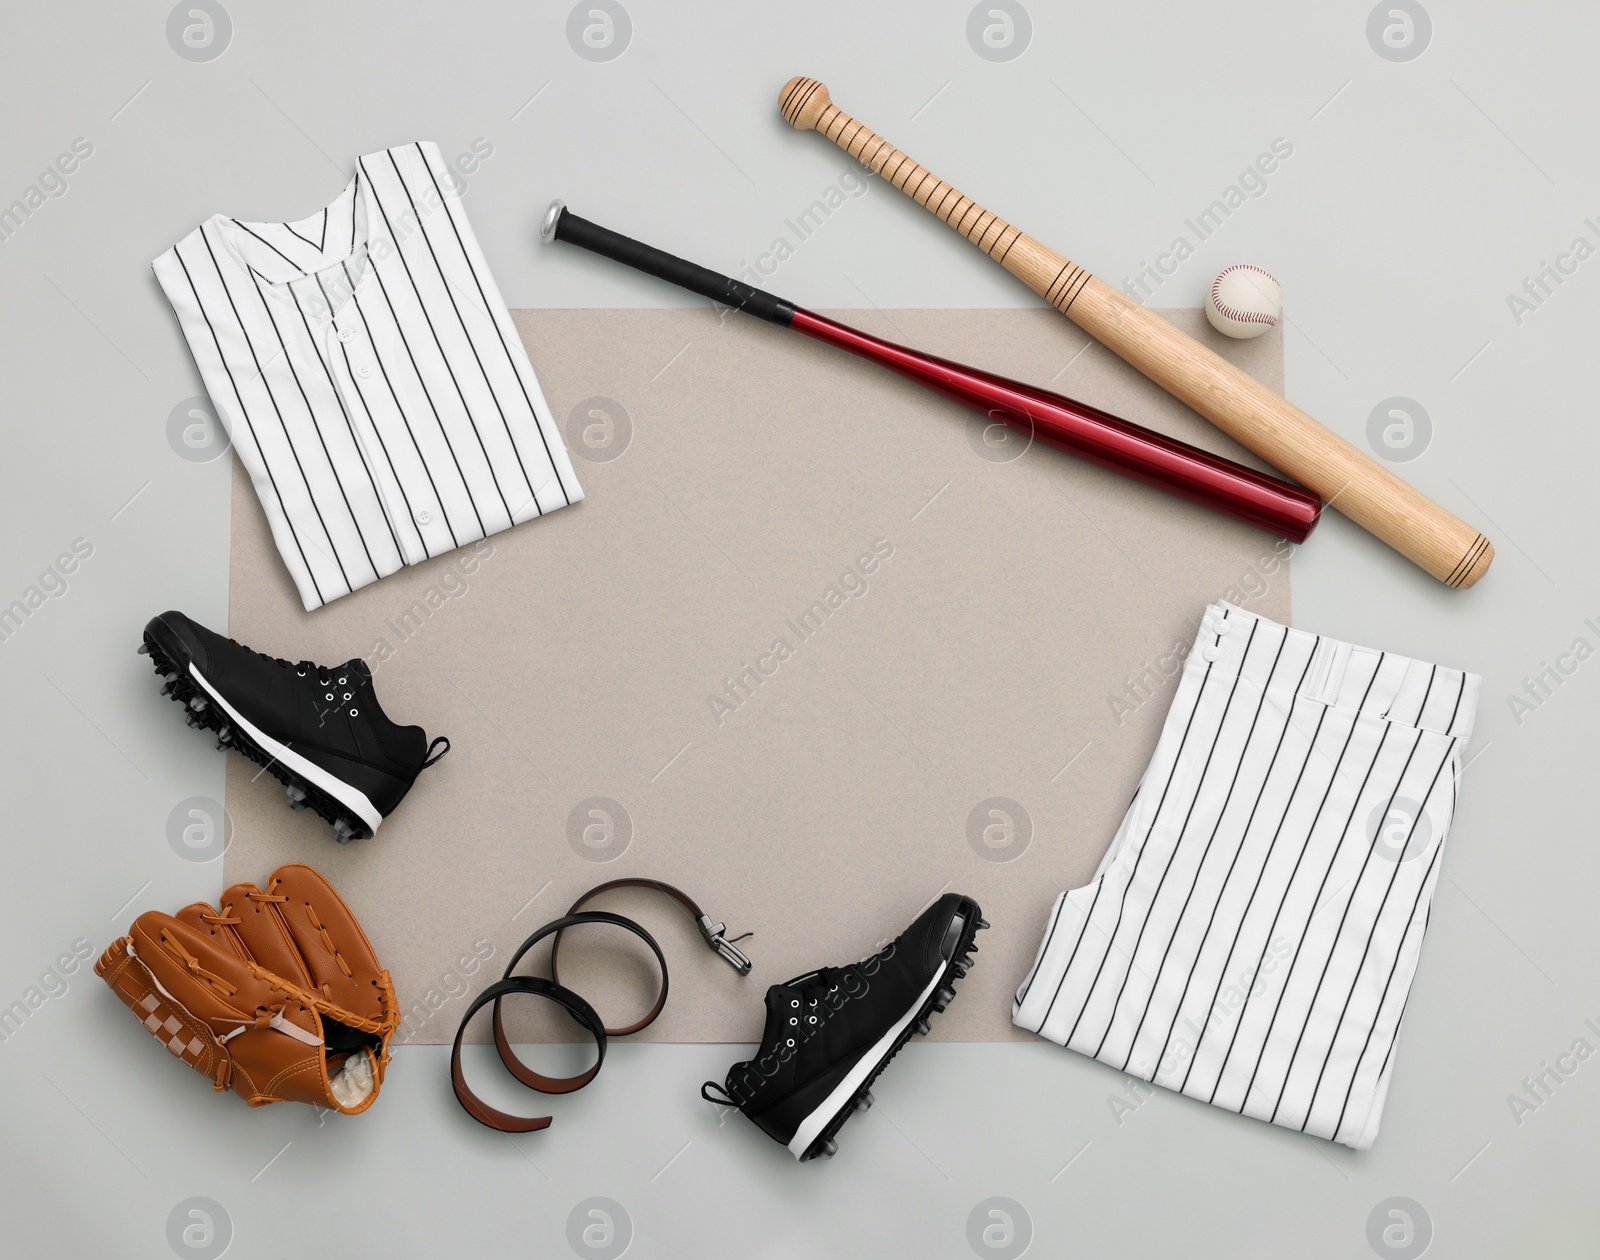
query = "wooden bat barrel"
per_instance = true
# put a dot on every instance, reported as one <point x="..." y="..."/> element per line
<point x="1286" y="437"/>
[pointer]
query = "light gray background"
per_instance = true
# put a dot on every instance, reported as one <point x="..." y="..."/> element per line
<point x="1419" y="196"/>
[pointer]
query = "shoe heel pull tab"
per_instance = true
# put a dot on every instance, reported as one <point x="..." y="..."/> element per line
<point x="727" y="1099"/>
<point x="432" y="758"/>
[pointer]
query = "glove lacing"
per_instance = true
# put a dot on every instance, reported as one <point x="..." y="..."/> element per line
<point x="382" y="1027"/>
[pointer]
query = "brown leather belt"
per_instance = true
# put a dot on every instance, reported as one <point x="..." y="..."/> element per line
<point x="582" y="1013"/>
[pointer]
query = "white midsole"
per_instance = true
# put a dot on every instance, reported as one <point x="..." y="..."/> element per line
<point x="334" y="787"/>
<point x="813" y="1124"/>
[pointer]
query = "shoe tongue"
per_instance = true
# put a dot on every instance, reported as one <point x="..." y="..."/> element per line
<point x="358" y="668"/>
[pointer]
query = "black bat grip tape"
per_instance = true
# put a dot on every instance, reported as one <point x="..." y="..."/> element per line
<point x="686" y="275"/>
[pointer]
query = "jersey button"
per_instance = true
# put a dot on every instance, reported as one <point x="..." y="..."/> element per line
<point x="424" y="516"/>
<point x="364" y="370"/>
<point x="347" y="334"/>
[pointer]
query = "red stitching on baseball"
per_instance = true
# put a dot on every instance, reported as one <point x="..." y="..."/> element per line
<point x="1252" y="317"/>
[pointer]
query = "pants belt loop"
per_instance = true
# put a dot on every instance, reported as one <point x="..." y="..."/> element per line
<point x="1338" y="661"/>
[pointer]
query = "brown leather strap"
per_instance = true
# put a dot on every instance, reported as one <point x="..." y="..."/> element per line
<point x="533" y="986"/>
<point x="715" y="935"/>
<point x="537" y="986"/>
<point x="574" y="918"/>
<point x="656" y="885"/>
<point x="580" y="1010"/>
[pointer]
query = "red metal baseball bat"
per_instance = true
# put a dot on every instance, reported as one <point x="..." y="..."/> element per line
<point x="1084" y="431"/>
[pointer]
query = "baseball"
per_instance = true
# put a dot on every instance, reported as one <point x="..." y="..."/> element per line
<point x="1245" y="301"/>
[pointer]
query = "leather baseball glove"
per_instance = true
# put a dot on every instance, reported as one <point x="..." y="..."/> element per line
<point x="277" y="994"/>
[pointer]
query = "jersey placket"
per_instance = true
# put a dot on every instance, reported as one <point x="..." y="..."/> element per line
<point x="351" y="352"/>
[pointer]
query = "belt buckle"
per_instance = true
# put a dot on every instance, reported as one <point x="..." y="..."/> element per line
<point x="716" y="937"/>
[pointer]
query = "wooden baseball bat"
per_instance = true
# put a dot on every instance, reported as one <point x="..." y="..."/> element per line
<point x="1369" y="494"/>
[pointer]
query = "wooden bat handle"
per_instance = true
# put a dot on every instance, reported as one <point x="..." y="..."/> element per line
<point x="1238" y="404"/>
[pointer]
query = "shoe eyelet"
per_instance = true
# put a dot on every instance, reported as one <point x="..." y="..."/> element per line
<point x="793" y="1020"/>
<point x="790" y="1042"/>
<point x="812" y="1018"/>
<point x="355" y="712"/>
<point x="341" y="682"/>
<point x="347" y="695"/>
<point x="794" y="1002"/>
<point x="299" y="673"/>
<point x="330" y="695"/>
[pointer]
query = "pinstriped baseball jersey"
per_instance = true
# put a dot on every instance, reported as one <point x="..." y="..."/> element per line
<point x="1251" y="936"/>
<point x="369" y="375"/>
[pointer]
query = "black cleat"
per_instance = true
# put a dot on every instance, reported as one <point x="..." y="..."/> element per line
<point x="829" y="1033"/>
<point x="317" y="728"/>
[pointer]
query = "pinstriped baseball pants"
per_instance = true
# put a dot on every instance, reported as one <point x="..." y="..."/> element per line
<point x="1251" y="935"/>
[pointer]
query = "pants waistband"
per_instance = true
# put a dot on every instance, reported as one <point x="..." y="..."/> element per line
<point x="1259" y="651"/>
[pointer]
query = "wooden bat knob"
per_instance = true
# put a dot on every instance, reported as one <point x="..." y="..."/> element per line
<point x="803" y="101"/>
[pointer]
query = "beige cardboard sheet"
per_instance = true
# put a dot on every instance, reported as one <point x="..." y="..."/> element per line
<point x="811" y="649"/>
